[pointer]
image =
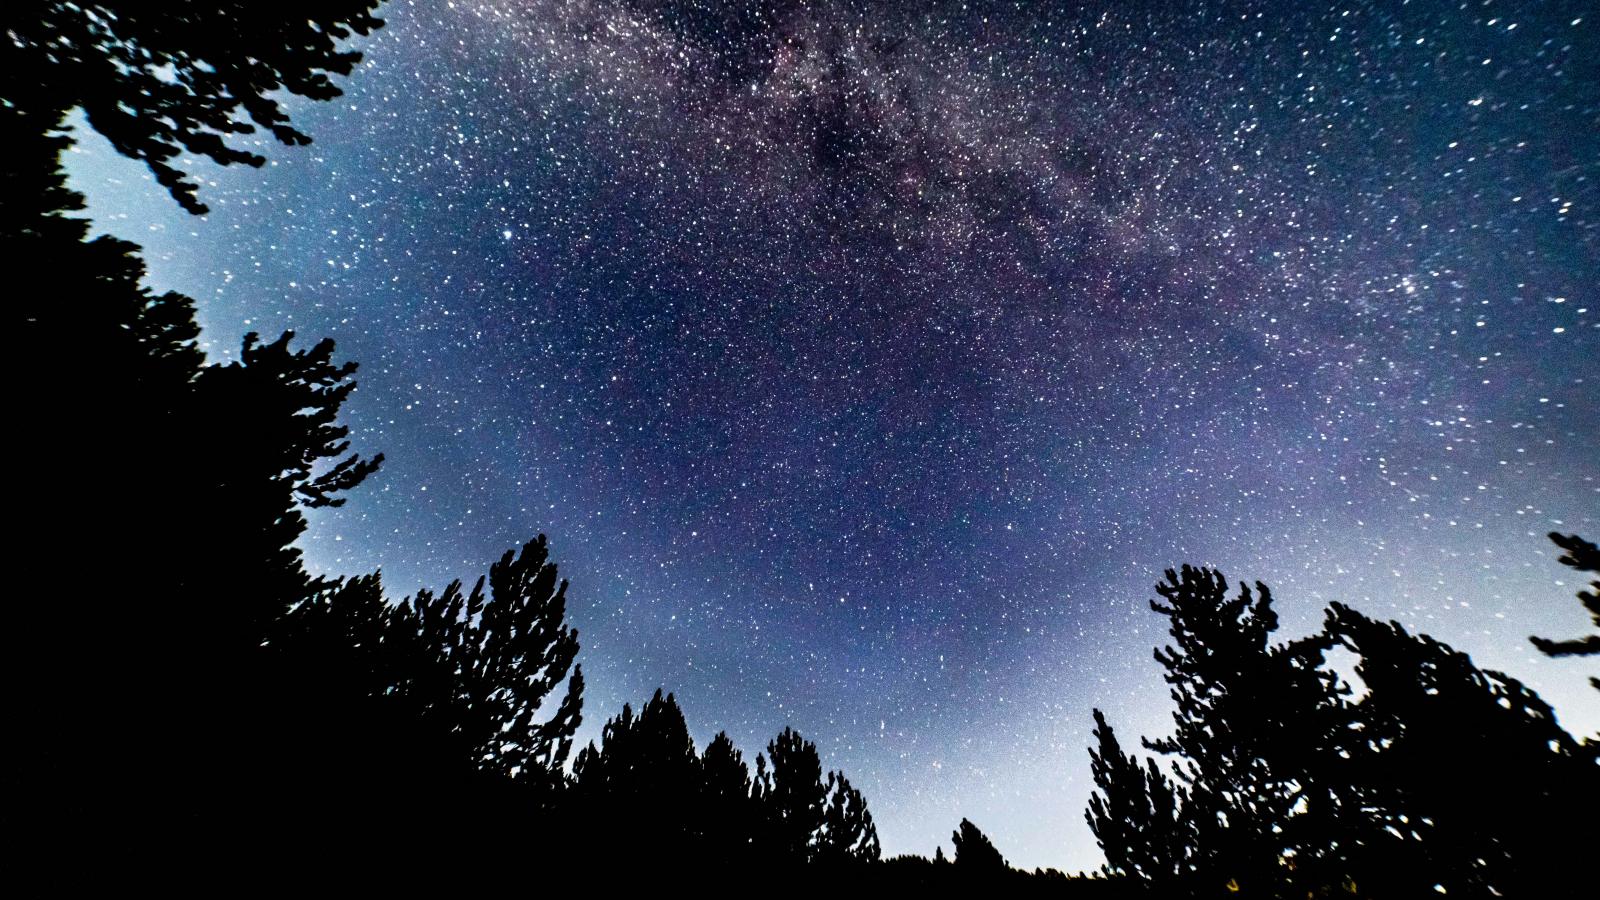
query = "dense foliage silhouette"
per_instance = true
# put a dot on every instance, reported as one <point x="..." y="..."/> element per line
<point x="1435" y="777"/>
<point x="183" y="697"/>
<point x="160" y="79"/>
<point x="658" y="800"/>
<point x="191" y="697"/>
<point x="640" y="786"/>
<point x="1584" y="557"/>
<point x="1135" y="816"/>
<point x="974" y="851"/>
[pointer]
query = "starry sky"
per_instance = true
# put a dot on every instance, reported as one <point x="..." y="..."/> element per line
<point x="867" y="362"/>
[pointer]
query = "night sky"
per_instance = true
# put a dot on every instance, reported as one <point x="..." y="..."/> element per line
<point x="867" y="362"/>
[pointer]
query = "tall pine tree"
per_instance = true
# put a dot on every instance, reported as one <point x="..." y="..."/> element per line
<point x="790" y="795"/>
<point x="640" y="785"/>
<point x="975" y="853"/>
<point x="1253" y="734"/>
<point x="1463" y="777"/>
<point x="1439" y="777"/>
<point x="847" y="835"/>
<point x="1136" y="814"/>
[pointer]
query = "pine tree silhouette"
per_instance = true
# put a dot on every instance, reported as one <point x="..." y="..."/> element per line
<point x="160" y="79"/>
<point x="640" y="786"/>
<point x="731" y="823"/>
<point x="1583" y="557"/>
<point x="661" y="804"/>
<point x="274" y="448"/>
<point x="1135" y="814"/>
<point x="974" y="852"/>
<point x="847" y="834"/>
<point x="1253" y="726"/>
<point x="135" y="431"/>
<point x="1439" y="777"/>
<point x="196" y="694"/>
<point x="199" y="475"/>
<point x="380" y="718"/>
<point x="1465" y="779"/>
<point x="790" y="795"/>
<point x="493" y="661"/>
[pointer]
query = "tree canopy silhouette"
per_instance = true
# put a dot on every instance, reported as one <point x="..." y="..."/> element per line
<point x="644" y="786"/>
<point x="160" y="79"/>
<point x="1291" y="784"/>
<point x="1136" y="814"/>
<point x="790" y="793"/>
<point x="1460" y="777"/>
<point x="641" y="784"/>
<point x="440" y="707"/>
<point x="731" y="826"/>
<point x="847" y="835"/>
<point x="496" y="660"/>
<point x="1583" y="557"/>
<point x="1250" y="716"/>
<point x="807" y="819"/>
<point x="974" y="851"/>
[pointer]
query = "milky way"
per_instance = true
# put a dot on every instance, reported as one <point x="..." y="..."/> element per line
<point x="866" y="363"/>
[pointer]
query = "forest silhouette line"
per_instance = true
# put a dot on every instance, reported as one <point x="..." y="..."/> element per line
<point x="188" y="702"/>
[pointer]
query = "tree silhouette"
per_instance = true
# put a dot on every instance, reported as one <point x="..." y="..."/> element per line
<point x="160" y="79"/>
<point x="275" y="448"/>
<point x="791" y="795"/>
<point x="731" y="823"/>
<point x="656" y="800"/>
<point x="1135" y="813"/>
<point x="640" y="785"/>
<point x="377" y="718"/>
<point x="192" y="480"/>
<point x="1439" y="777"/>
<point x="1584" y="557"/>
<point x="974" y="852"/>
<point x="193" y="691"/>
<point x="197" y="476"/>
<point x="497" y="660"/>
<point x="144" y="443"/>
<point x="332" y="735"/>
<point x="1252" y="731"/>
<point x="847" y="834"/>
<point x="1431" y="725"/>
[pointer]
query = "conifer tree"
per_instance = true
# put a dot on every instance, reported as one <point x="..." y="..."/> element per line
<point x="273" y="447"/>
<point x="182" y="76"/>
<point x="641" y="785"/>
<point x="1135" y="813"/>
<point x="847" y="834"/>
<point x="726" y="776"/>
<point x="791" y="795"/>
<point x="496" y="658"/>
<point x="1255" y="727"/>
<point x="1440" y="777"/>
<point x="201" y="499"/>
<point x="331" y="735"/>
<point x="1583" y="557"/>
<point x="974" y="852"/>
<point x="443" y="707"/>
<point x="195" y="477"/>
<point x="1465" y="779"/>
<point x="730" y="820"/>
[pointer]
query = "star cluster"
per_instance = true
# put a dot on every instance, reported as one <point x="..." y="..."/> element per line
<point x="867" y="362"/>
